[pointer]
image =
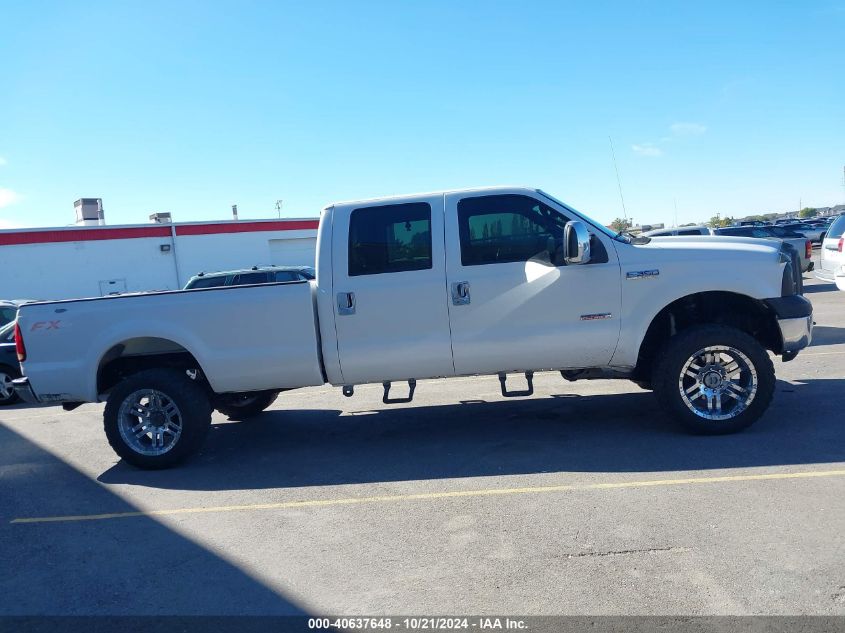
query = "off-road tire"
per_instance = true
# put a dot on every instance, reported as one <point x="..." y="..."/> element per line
<point x="681" y="347"/>
<point x="194" y="406"/>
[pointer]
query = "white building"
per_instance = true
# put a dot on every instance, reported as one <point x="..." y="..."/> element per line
<point x="91" y="260"/>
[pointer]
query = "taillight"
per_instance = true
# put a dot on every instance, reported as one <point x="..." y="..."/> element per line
<point x="808" y="250"/>
<point x="841" y="241"/>
<point x="20" y="348"/>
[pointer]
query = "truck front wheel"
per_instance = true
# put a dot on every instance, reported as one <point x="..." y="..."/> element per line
<point x="714" y="379"/>
<point x="156" y="418"/>
<point x="241" y="406"/>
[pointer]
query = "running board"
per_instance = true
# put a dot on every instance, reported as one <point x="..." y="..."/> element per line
<point x="529" y="378"/>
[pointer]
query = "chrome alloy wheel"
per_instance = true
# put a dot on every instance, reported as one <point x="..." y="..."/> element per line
<point x="6" y="388"/>
<point x="149" y="422"/>
<point x="718" y="382"/>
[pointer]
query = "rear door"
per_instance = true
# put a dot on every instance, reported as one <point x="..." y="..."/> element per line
<point x="512" y="308"/>
<point x="389" y="279"/>
<point x="830" y="256"/>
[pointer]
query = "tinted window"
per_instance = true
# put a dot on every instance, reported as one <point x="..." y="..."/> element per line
<point x="7" y="334"/>
<point x="308" y="273"/>
<point x="837" y="228"/>
<point x="244" y="279"/>
<point x="689" y="232"/>
<point x="206" y="282"/>
<point x="779" y="231"/>
<point x="287" y="275"/>
<point x="7" y="315"/>
<point x="735" y="231"/>
<point x="507" y="228"/>
<point x="758" y="231"/>
<point x="390" y="239"/>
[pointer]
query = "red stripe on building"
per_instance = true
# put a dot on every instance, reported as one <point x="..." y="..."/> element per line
<point x="246" y="227"/>
<point x="81" y="235"/>
<point x="91" y="235"/>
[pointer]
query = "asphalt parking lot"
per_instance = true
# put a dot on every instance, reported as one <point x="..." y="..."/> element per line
<point x="584" y="499"/>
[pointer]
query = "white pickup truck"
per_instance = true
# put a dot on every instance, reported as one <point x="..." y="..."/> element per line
<point x="487" y="281"/>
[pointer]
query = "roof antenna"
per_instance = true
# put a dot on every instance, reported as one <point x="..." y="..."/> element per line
<point x="618" y="180"/>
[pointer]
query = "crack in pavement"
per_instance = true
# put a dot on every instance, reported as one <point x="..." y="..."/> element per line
<point x="625" y="552"/>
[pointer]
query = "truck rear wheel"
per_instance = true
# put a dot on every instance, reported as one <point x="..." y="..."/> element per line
<point x="241" y="406"/>
<point x="156" y="418"/>
<point x="714" y="379"/>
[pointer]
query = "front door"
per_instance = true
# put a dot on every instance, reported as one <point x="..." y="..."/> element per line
<point x="389" y="277"/>
<point x="513" y="306"/>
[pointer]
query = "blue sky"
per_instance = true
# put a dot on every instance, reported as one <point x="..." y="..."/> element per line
<point x="192" y="106"/>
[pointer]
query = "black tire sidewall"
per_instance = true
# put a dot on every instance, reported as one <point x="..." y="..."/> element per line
<point x="194" y="406"/>
<point x="261" y="401"/>
<point x="678" y="350"/>
<point x="14" y="397"/>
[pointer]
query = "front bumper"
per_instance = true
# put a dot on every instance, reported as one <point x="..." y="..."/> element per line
<point x="795" y="321"/>
<point x="24" y="390"/>
<point x="796" y="333"/>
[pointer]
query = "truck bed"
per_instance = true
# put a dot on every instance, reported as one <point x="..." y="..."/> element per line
<point x="244" y="338"/>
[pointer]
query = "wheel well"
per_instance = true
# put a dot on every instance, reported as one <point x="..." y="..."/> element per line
<point x="725" y="308"/>
<point x="137" y="354"/>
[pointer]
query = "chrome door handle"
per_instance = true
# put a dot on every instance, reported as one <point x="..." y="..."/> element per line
<point x="346" y="303"/>
<point x="460" y="293"/>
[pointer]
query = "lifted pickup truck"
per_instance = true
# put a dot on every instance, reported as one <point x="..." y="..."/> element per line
<point x="487" y="281"/>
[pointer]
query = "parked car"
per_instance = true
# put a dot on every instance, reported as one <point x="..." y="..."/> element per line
<point x="802" y="245"/>
<point x="8" y="311"/>
<point x="812" y="233"/>
<point x="247" y="276"/>
<point x="457" y="283"/>
<point x="9" y="367"/>
<point x="831" y="256"/>
<point x="680" y="230"/>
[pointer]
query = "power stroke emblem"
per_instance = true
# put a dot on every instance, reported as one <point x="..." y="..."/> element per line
<point x="642" y="274"/>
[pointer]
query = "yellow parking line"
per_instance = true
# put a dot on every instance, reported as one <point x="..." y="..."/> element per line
<point x="425" y="496"/>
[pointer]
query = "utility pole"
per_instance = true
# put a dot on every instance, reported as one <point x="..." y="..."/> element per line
<point x="279" y="207"/>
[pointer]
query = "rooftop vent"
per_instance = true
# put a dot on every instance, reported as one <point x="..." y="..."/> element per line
<point x="89" y="212"/>
<point x="161" y="218"/>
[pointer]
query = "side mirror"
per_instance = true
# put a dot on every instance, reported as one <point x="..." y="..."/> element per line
<point x="576" y="243"/>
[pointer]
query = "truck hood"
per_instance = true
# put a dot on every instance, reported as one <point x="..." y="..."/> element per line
<point x="714" y="248"/>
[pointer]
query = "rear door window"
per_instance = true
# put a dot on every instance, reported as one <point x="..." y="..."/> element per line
<point x="390" y="239"/>
<point x="287" y="275"/>
<point x="689" y="232"/>
<point x="244" y="279"/>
